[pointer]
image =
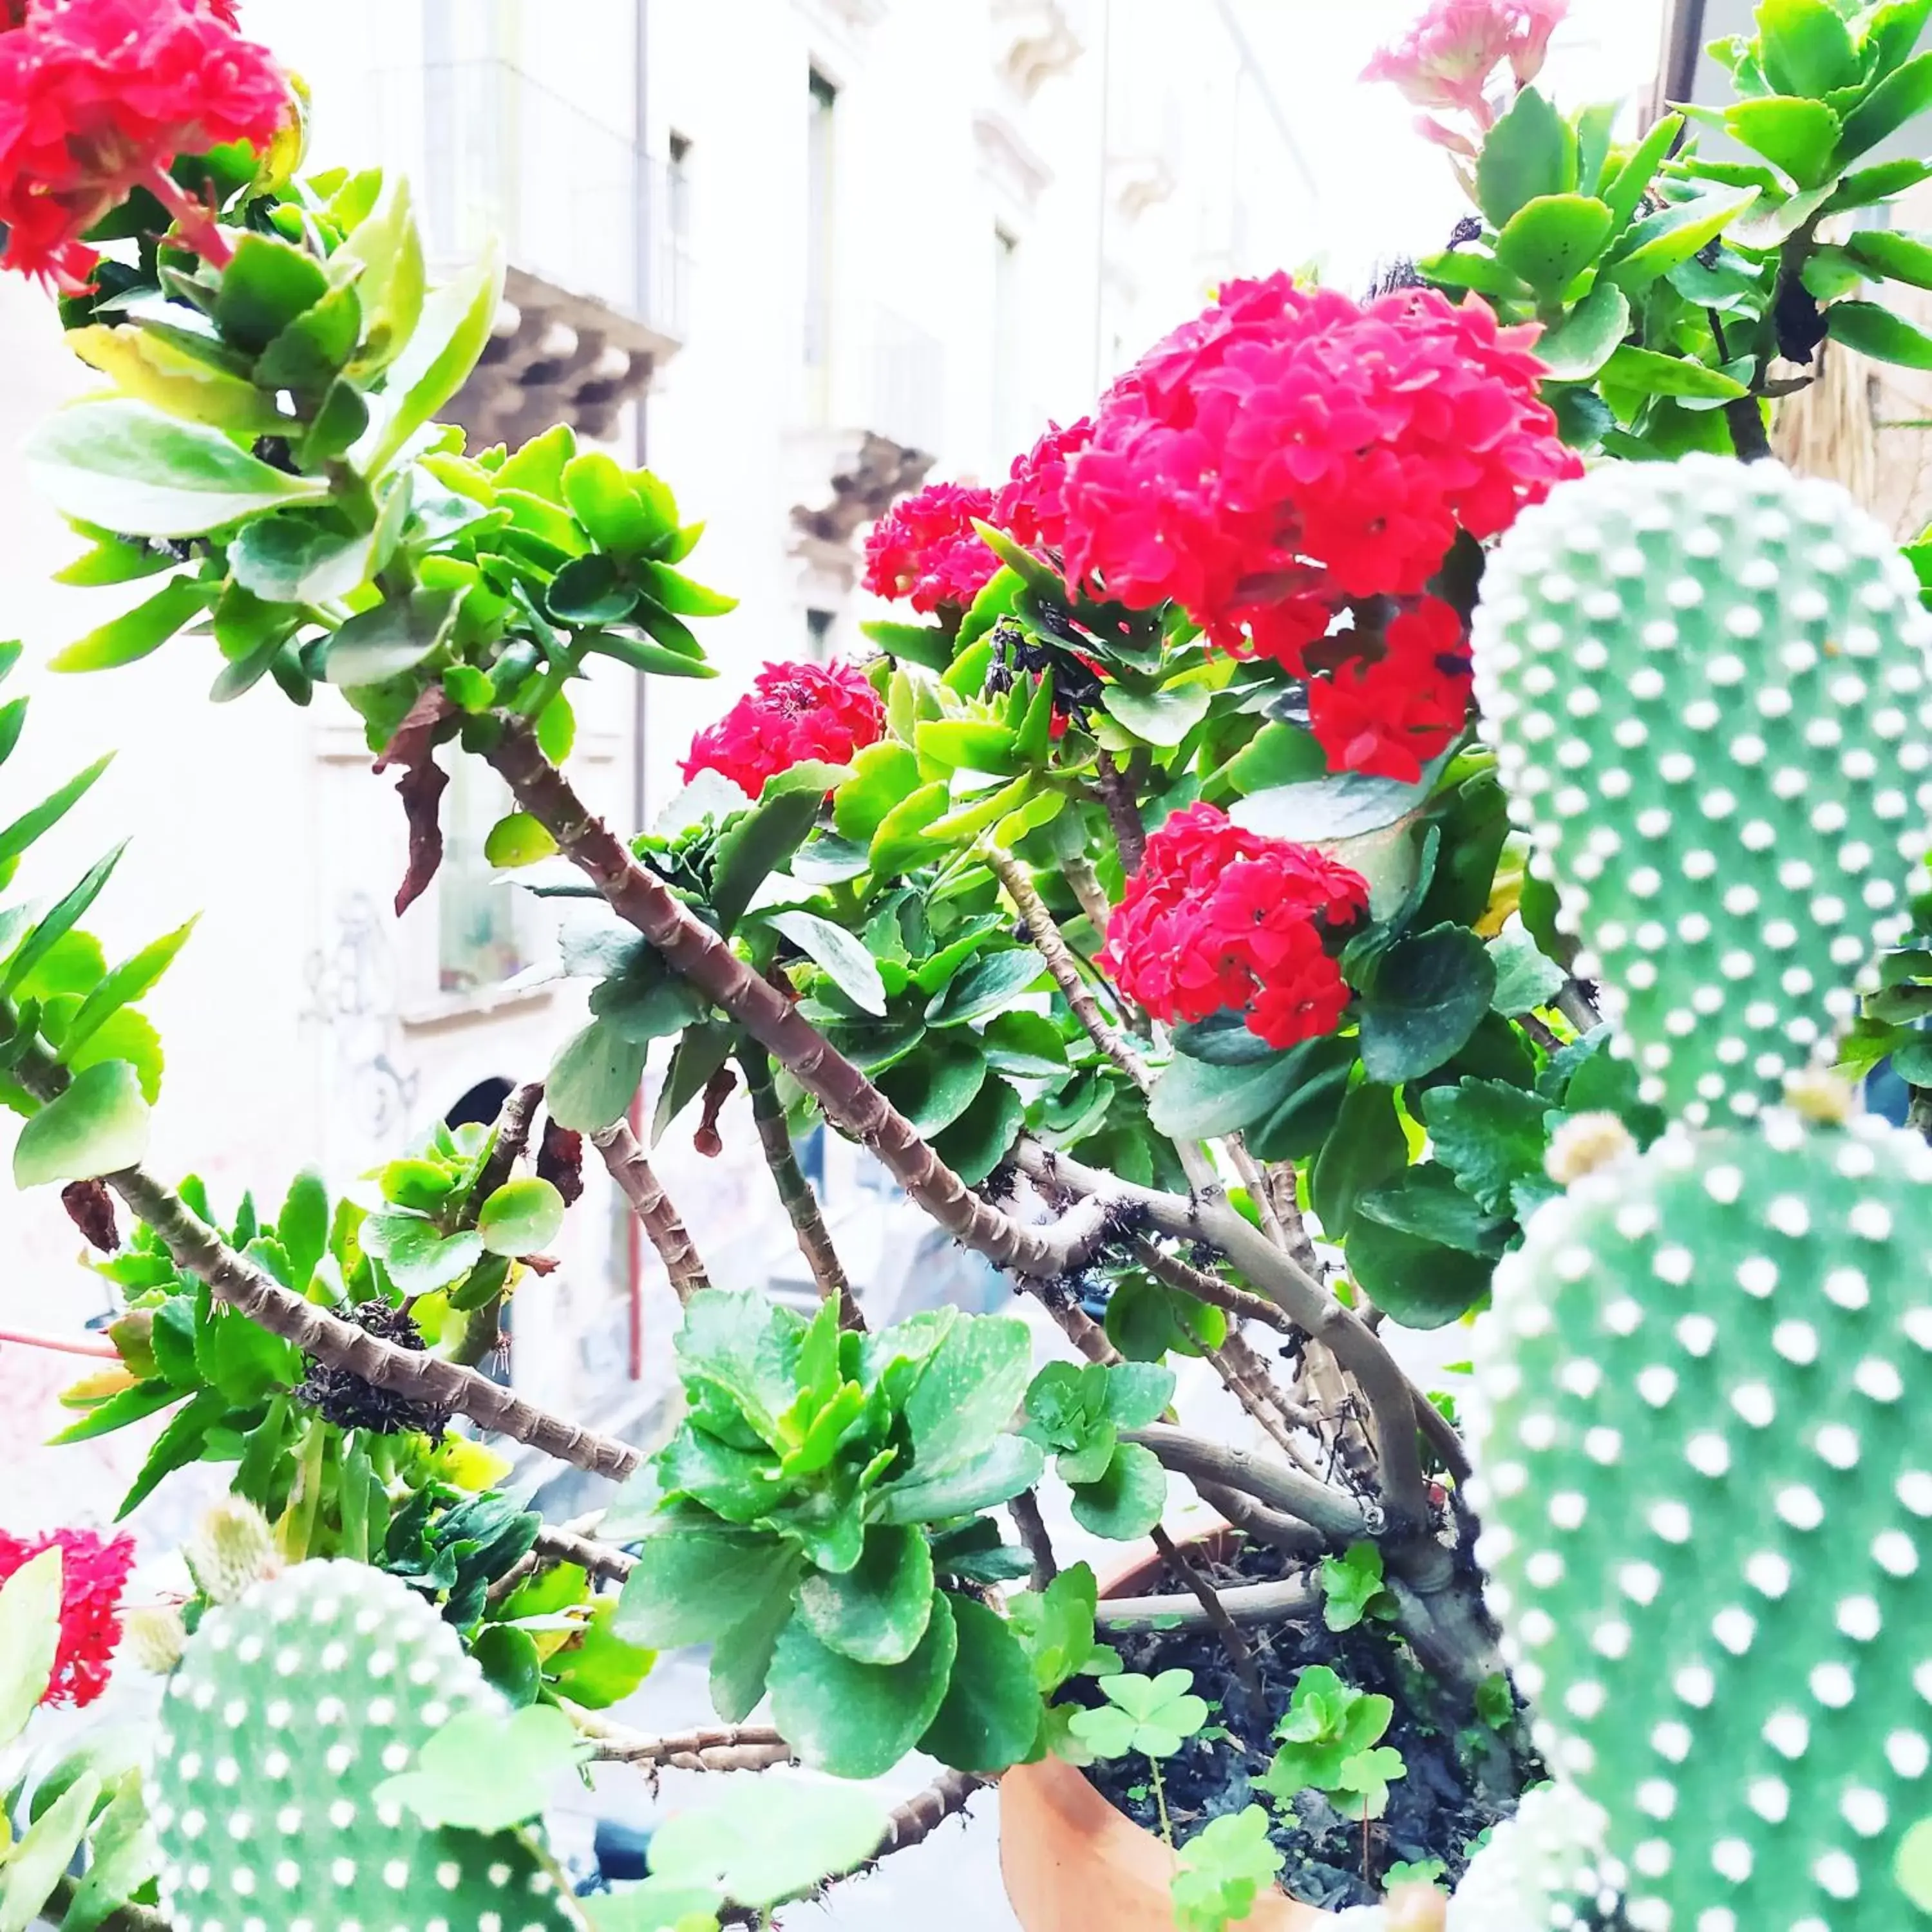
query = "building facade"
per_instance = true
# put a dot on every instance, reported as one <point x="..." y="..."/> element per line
<point x="799" y="255"/>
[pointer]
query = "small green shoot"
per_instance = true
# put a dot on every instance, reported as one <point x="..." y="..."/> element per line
<point x="1352" y="1585"/>
<point x="1222" y="1871"/>
<point x="1329" y="1739"/>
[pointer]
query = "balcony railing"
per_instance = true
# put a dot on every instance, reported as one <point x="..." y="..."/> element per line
<point x="492" y="151"/>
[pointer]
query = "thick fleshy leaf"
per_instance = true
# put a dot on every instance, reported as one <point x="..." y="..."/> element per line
<point x="1549" y="241"/>
<point x="840" y="953"/>
<point x="991" y="982"/>
<point x="418" y="1256"/>
<point x="1194" y="1099"/>
<point x="990" y="1716"/>
<point x="1128" y="1499"/>
<point x="126" y="467"/>
<point x="1530" y="151"/>
<point x="98" y="1126"/>
<point x="761" y="1841"/>
<point x="1424" y="997"/>
<point x="126" y="639"/>
<point x="30" y="1603"/>
<point x="696" y="1578"/>
<point x="997" y="1475"/>
<point x="973" y="1383"/>
<point x="858" y="1720"/>
<point x="594" y="1078"/>
<point x="877" y="1611"/>
<point x="522" y="1217"/>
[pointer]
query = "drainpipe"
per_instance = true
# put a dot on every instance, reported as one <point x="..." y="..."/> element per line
<point x="634" y="1232"/>
<point x="1683" y="40"/>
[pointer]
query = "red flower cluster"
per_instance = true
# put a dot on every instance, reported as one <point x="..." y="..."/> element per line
<point x="1288" y="451"/>
<point x="1388" y="715"/>
<point x="926" y="549"/>
<point x="792" y="711"/>
<point x="93" y="1575"/>
<point x="1445" y="60"/>
<point x="1220" y="917"/>
<point x="1031" y="508"/>
<point x="98" y="96"/>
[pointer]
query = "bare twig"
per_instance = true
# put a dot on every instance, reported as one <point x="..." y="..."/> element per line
<point x="851" y="1102"/>
<point x="425" y="1379"/>
<point x="1204" y="1286"/>
<point x="718" y="1747"/>
<point x="1232" y="1642"/>
<point x="1079" y="874"/>
<point x="1244" y="1603"/>
<point x="795" y="1195"/>
<point x="1024" y="1510"/>
<point x="1394" y="1402"/>
<point x="1338" y="1515"/>
<point x="1051" y="945"/>
<point x="571" y="1542"/>
<point x="1259" y="1193"/>
<point x="652" y="1206"/>
<point x="1124" y="814"/>
<point x="915" y="1821"/>
<point x="1287" y="1533"/>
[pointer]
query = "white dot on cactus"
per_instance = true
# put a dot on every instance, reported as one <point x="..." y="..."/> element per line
<point x="1830" y="818"/>
<point x="435" y="1713"/>
<point x="1509" y="1479"/>
<point x="241" y="1823"/>
<point x="1641" y="975"/>
<point x="1788" y="1732"/>
<point x="1797" y="1342"/>
<point x="1788" y="782"/>
<point x="1629" y="732"/>
<point x="1695" y="1686"/>
<point x="1584" y="1699"/>
<point x="1914" y="1490"/>
<point x="1673" y="1264"/>
<point x="1649" y="1915"/>
<point x="1658" y="1385"/>
<point x="342" y="1814"/>
<point x="1878" y="1379"/>
<point x="1724" y="1184"/>
<point x="1770" y="1797"/>
<point x="1846" y="951"/>
<point x="1734" y="1629"/>
<point x="1640" y="1581"/>
<point x="1685" y="593"/>
<point x="1671" y="1521"/>
<point x="337" y="1759"/>
<point x="1859" y="1618"/>
<point x="1895" y="1553"/>
<point x="330" y="1711"/>
<point x="323" y="1609"/>
<point x="343" y="1870"/>
<point x="1558" y="586"/>
<point x="1731" y="1050"/>
<point x="243" y="1879"/>
<point x="1832" y="1685"/>
<point x="1572" y="801"/>
<point x="203" y="1697"/>
<point x="1702" y="715"/>
<point x="1709" y="1453"/>
<point x="1917" y="1323"/>
<point x="1797" y="1504"/>
<point x="1653" y="1856"/>
<point x="1757" y="1275"/>
<point x="1738" y="900"/>
<point x="1611" y="1639"/>
<point x="1837" y="1873"/>
<point x="1908" y="1753"/>
<point x="1838" y="1445"/>
<point x="1603" y="1445"/>
<point x="1828" y="909"/>
<point x="334" y="1656"/>
<point x="189" y="1769"/>
<point x="199" y="1878"/>
<point x="1697" y="1335"/>
<point x="1732" y="1858"/>
<point x="1769" y="1573"/>
<point x="1624" y="1316"/>
<point x="1755" y="1403"/>
<point x="288" y="1661"/>
<point x="193" y="1822"/>
<point x="1821" y="733"/>
<point x="1671" y="1740"/>
<point x="1773" y="701"/>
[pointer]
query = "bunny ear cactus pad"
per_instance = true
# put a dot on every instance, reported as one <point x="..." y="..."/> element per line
<point x="1705" y="683"/>
<point x="1707" y="1484"/>
<point x="288" y="1710"/>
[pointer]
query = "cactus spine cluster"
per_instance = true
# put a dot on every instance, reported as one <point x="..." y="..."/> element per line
<point x="1707" y="1502"/>
<point x="287" y="1710"/>
<point x="1706" y="685"/>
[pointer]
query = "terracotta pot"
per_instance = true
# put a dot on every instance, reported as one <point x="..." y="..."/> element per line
<point x="1072" y="1863"/>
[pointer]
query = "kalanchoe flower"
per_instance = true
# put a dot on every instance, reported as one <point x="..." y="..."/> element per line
<point x="1447" y="58"/>
<point x="1288" y="451"/>
<point x="98" y="96"/>
<point x="926" y="549"/>
<point x="1387" y="716"/>
<point x="1031" y="507"/>
<point x="94" y="1573"/>
<point x="792" y="711"/>
<point x="1220" y="917"/>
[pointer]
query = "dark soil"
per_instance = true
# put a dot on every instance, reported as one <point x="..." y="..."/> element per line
<point x="1438" y="1810"/>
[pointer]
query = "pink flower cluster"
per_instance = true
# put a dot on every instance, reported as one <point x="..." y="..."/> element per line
<point x="98" y="96"/>
<point x="792" y="711"/>
<point x="1448" y="58"/>
<point x="1218" y="917"/>
<point x="926" y="549"/>
<point x="94" y="1573"/>
<point x="1388" y="716"/>
<point x="1288" y="451"/>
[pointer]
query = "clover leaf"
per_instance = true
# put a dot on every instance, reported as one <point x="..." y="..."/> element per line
<point x="1222" y="1871"/>
<point x="1153" y="1715"/>
<point x="1368" y="1775"/>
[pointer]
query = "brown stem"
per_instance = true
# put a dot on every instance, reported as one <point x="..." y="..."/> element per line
<point x="1078" y="873"/>
<point x="1259" y="1192"/>
<point x="795" y="1195"/>
<point x="1232" y="1642"/>
<point x="1339" y="1516"/>
<point x="851" y="1102"/>
<point x="709" y="1748"/>
<point x="915" y="1821"/>
<point x="651" y="1205"/>
<point x="1204" y="1286"/>
<point x="1395" y="1404"/>
<point x="481" y="1326"/>
<point x="570" y="1543"/>
<point x="1052" y="947"/>
<point x="1024" y="1510"/>
<point x="1124" y="814"/>
<point x="1243" y="1603"/>
<point x="1254" y="1401"/>
<point x="1254" y="1519"/>
<point x="423" y="1378"/>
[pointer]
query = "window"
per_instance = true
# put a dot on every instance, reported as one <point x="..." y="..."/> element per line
<point x="483" y="936"/>
<point x="818" y="160"/>
<point x="680" y="211"/>
<point x="818" y="634"/>
<point x="1006" y="413"/>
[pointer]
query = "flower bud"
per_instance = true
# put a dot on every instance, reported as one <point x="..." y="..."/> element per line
<point x="233" y="1547"/>
<point x="155" y="1635"/>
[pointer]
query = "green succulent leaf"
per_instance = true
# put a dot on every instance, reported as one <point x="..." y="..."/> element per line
<point x="990" y="1715"/>
<point x="484" y="1772"/>
<point x="522" y="1217"/>
<point x="99" y="1125"/>
<point x="761" y="1841"/>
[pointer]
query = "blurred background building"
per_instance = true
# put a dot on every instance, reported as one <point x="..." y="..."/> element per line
<point x="799" y="255"/>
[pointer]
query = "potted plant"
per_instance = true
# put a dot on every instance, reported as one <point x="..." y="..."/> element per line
<point x="1052" y="906"/>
